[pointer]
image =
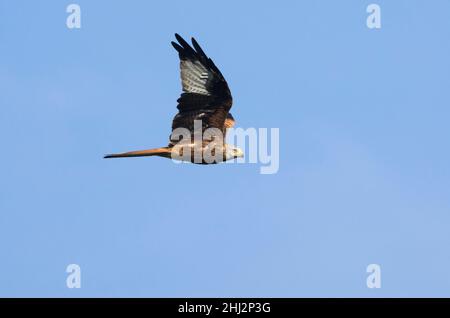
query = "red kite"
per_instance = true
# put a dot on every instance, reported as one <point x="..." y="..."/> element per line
<point x="203" y="109"/>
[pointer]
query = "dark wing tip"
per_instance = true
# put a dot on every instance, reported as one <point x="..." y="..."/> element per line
<point x="183" y="43"/>
<point x="178" y="37"/>
<point x="184" y="48"/>
<point x="198" y="48"/>
<point x="177" y="47"/>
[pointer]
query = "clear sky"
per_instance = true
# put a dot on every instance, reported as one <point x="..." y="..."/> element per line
<point x="364" y="172"/>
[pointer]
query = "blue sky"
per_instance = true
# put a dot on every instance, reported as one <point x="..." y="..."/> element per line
<point x="364" y="159"/>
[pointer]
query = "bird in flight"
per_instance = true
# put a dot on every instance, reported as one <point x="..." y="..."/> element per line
<point x="199" y="128"/>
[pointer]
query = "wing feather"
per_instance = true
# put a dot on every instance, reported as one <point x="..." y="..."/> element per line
<point x="206" y="95"/>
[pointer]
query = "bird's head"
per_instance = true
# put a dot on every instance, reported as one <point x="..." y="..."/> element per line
<point x="233" y="153"/>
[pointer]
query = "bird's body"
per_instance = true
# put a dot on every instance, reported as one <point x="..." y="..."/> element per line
<point x="191" y="152"/>
<point x="199" y="127"/>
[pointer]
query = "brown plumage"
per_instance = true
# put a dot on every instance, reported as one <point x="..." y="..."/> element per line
<point x="205" y="97"/>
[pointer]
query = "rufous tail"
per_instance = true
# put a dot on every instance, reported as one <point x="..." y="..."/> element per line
<point x="162" y="152"/>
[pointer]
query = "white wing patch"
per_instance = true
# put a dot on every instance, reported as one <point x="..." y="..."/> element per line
<point x="194" y="77"/>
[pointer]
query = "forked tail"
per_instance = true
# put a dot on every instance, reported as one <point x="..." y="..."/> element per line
<point x="162" y="152"/>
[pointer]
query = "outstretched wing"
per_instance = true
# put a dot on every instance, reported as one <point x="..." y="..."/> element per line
<point x="206" y="95"/>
